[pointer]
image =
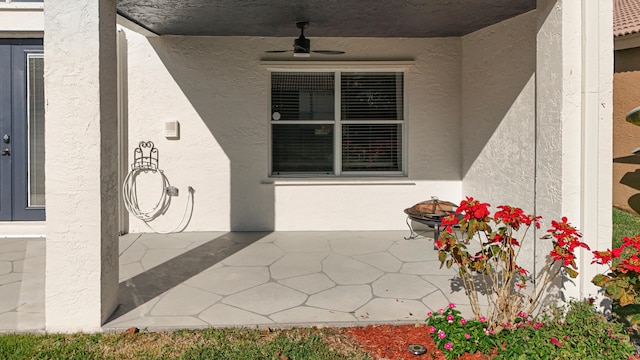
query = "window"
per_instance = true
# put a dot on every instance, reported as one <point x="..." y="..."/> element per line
<point x="337" y="123"/>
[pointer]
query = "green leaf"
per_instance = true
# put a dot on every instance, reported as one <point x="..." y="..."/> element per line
<point x="600" y="280"/>
<point x="634" y="319"/>
<point x="572" y="273"/>
<point x="442" y="256"/>
<point x="615" y="291"/>
<point x="626" y="299"/>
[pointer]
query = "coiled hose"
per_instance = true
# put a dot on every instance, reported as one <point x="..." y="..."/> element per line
<point x="130" y="198"/>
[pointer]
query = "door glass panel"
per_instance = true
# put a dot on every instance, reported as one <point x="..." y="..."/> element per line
<point x="35" y="101"/>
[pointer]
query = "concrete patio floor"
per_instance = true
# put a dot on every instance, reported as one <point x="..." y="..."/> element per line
<point x="249" y="279"/>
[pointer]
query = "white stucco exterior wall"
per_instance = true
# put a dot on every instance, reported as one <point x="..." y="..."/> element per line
<point x="498" y="112"/>
<point x="81" y="285"/>
<point x="598" y="142"/>
<point x="574" y="124"/>
<point x="498" y="118"/>
<point x="217" y="87"/>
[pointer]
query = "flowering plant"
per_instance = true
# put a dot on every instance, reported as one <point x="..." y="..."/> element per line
<point x="622" y="283"/>
<point x="574" y="331"/>
<point x="455" y="335"/>
<point x="493" y="269"/>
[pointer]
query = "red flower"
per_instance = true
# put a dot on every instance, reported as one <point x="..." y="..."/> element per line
<point x="562" y="254"/>
<point x="473" y="209"/>
<point x="514" y="217"/>
<point x="633" y="241"/>
<point x="630" y="264"/>
<point x="602" y="257"/>
<point x="450" y="219"/>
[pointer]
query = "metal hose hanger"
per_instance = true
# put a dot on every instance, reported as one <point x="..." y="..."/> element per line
<point x="145" y="160"/>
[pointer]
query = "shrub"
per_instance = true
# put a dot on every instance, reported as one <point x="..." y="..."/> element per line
<point x="574" y="331"/>
<point x="496" y="265"/>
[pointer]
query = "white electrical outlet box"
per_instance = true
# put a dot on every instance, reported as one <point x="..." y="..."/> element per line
<point x="172" y="129"/>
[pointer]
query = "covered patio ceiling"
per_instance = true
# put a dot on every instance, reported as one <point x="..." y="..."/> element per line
<point x="328" y="18"/>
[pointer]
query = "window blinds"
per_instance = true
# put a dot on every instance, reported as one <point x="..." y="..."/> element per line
<point x="304" y="125"/>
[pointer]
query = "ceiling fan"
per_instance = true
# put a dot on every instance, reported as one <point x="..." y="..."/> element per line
<point x="302" y="45"/>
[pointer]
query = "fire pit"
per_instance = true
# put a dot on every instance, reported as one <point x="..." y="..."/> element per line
<point x="430" y="213"/>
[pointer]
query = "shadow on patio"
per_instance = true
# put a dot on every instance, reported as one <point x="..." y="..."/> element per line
<point x="253" y="279"/>
<point x="249" y="279"/>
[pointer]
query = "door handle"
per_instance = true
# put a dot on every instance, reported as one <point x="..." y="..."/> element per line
<point x="5" y="152"/>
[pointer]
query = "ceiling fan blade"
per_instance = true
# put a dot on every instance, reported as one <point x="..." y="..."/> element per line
<point x="328" y="52"/>
<point x="302" y="45"/>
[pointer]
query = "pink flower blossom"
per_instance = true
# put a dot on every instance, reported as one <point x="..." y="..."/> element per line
<point x="448" y="346"/>
<point x="450" y="322"/>
<point x="452" y="306"/>
<point x="449" y="317"/>
<point x="537" y="325"/>
<point x="463" y="321"/>
<point x="432" y="329"/>
<point x="441" y="334"/>
<point x="555" y="341"/>
<point x="440" y="311"/>
<point x="467" y="336"/>
<point x="482" y="319"/>
<point x="429" y="314"/>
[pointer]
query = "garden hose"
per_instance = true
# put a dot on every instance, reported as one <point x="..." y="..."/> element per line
<point x="130" y="198"/>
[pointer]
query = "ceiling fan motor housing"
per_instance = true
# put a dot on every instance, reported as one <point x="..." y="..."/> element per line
<point x="301" y="45"/>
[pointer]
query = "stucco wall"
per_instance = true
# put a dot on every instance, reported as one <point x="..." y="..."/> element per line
<point x="217" y="88"/>
<point x="498" y="116"/>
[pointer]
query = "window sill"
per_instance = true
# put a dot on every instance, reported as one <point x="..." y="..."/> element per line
<point x="336" y="182"/>
<point x="22" y="6"/>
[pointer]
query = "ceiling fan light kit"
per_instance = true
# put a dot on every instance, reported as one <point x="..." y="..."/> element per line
<point x="302" y="45"/>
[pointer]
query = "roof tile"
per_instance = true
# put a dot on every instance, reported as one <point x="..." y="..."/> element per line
<point x="626" y="17"/>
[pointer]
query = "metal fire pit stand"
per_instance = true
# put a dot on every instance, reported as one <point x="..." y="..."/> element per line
<point x="433" y="221"/>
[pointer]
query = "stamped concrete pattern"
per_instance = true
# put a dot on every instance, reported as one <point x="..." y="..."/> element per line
<point x="22" y="284"/>
<point x="255" y="279"/>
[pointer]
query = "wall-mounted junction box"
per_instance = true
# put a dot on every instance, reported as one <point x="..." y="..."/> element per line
<point x="172" y="129"/>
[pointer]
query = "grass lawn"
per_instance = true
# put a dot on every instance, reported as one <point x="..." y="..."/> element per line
<point x="299" y="343"/>
<point x="624" y="224"/>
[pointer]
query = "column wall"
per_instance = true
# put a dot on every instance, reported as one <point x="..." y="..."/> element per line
<point x="573" y="125"/>
<point x="81" y="164"/>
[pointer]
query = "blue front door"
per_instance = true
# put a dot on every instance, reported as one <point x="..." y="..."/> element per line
<point x="21" y="130"/>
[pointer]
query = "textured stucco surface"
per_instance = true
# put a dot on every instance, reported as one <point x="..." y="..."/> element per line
<point x="218" y="89"/>
<point x="498" y="117"/>
<point x="558" y="108"/>
<point x="574" y="124"/>
<point x="82" y="248"/>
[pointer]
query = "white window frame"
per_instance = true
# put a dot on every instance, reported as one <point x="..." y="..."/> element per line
<point x="337" y="68"/>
